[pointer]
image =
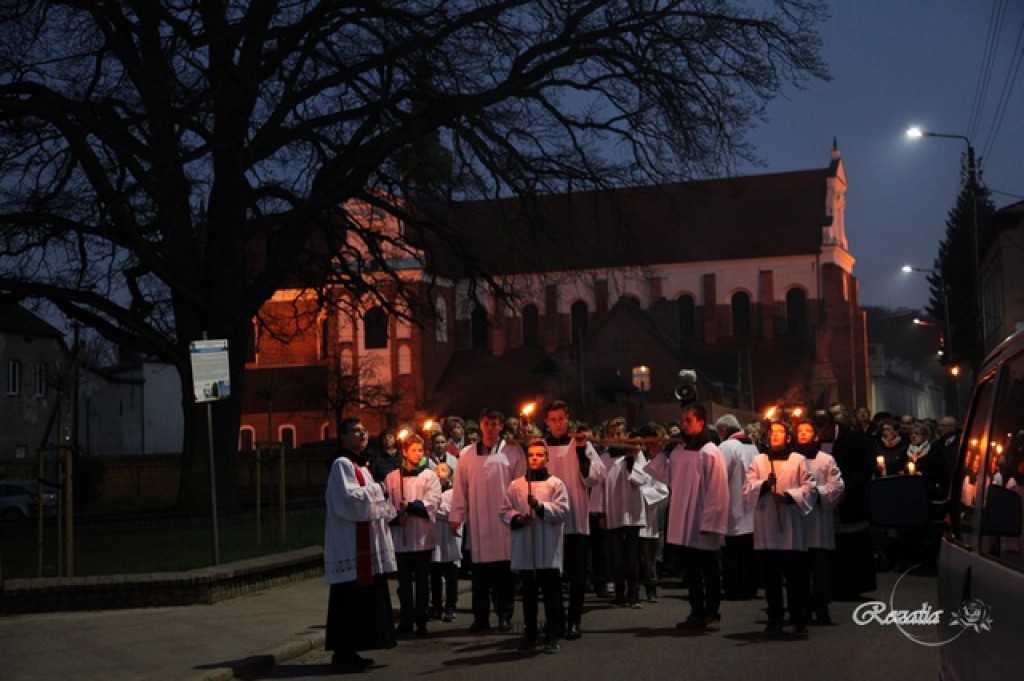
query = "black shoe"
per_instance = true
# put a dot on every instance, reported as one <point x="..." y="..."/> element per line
<point x="480" y="625"/>
<point x="800" y="631"/>
<point x="823" y="618"/>
<point x="449" y="615"/>
<point x="505" y="624"/>
<point x="350" y="662"/>
<point x="551" y="645"/>
<point x="528" y="644"/>
<point x="692" y="622"/>
<point x="405" y="628"/>
<point x="773" y="629"/>
<point x="421" y="629"/>
<point x="573" y="633"/>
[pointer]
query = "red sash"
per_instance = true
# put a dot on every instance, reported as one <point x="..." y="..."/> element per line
<point x="364" y="553"/>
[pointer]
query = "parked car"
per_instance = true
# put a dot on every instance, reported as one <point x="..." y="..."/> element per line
<point x="16" y="500"/>
<point x="19" y="499"/>
<point x="981" y="556"/>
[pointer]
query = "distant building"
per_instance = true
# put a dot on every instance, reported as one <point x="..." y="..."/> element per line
<point x="33" y="355"/>
<point x="131" y="409"/>
<point x="906" y="374"/>
<point x="747" y="280"/>
<point x="1003" y="287"/>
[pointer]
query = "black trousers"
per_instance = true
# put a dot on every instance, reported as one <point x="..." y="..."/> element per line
<point x="574" y="569"/>
<point x="549" y="583"/>
<point x="820" y="589"/>
<point x="624" y="562"/>
<point x="739" y="567"/>
<point x="793" y="567"/>
<point x="493" y="580"/>
<point x="413" y="586"/>
<point x="704" y="581"/>
<point x="444" y="585"/>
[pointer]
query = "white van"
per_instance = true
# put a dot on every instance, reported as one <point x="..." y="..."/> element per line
<point x="981" y="559"/>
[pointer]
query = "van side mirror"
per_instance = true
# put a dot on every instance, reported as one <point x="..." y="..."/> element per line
<point x="1001" y="516"/>
<point x="898" y="501"/>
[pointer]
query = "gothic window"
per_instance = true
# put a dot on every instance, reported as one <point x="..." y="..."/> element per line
<point x="404" y="360"/>
<point x="246" y="439"/>
<point x="323" y="328"/>
<point x="441" y="308"/>
<point x="796" y="310"/>
<point x="375" y="329"/>
<point x="687" y="317"/>
<point x="741" y="314"/>
<point x="286" y="434"/>
<point x="578" y="316"/>
<point x="531" y="326"/>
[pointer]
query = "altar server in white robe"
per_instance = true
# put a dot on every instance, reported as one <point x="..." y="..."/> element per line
<point x="820" y="523"/>
<point x="578" y="465"/>
<point x="781" y="489"/>
<point x="535" y="509"/>
<point x="482" y="477"/>
<point x="358" y="555"/>
<point x="415" y="492"/>
<point x="698" y="513"/>
<point x="619" y="504"/>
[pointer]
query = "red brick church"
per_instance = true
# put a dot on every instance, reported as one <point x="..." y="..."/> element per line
<point x="748" y="281"/>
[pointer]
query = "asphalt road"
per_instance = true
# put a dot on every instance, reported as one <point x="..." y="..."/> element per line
<point x="622" y="643"/>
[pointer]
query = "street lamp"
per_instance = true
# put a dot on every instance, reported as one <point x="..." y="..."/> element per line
<point x="947" y="331"/>
<point x="972" y="192"/>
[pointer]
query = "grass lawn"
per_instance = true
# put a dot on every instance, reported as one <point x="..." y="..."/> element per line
<point x="155" y="546"/>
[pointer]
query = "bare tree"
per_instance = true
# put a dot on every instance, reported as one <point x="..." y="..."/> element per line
<point x="167" y="165"/>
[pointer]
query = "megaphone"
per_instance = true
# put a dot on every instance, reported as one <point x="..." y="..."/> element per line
<point x="686" y="391"/>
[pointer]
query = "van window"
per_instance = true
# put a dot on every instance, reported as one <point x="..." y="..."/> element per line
<point x="1001" y="519"/>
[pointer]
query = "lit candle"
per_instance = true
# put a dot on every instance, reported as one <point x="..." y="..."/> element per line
<point x="880" y="460"/>
<point x="911" y="467"/>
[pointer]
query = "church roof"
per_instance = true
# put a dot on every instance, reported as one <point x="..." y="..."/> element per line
<point x="759" y="216"/>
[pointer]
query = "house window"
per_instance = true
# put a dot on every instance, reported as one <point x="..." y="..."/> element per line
<point x="246" y="439"/>
<point x="40" y="379"/>
<point x="578" y="317"/>
<point x="441" y="332"/>
<point x="13" y="377"/>
<point x="687" y="317"/>
<point x="741" y="314"/>
<point x="375" y="329"/>
<point x="531" y="326"/>
<point x="286" y="435"/>
<point x="479" y="327"/>
<point x="796" y="310"/>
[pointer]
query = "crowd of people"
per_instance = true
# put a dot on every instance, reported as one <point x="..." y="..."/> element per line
<point x="563" y="509"/>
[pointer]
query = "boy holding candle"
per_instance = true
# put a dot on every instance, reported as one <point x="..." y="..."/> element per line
<point x="535" y="508"/>
<point x="416" y="494"/>
<point x="781" y="489"/>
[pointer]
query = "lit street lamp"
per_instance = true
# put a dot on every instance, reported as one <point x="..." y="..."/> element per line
<point x="972" y="192"/>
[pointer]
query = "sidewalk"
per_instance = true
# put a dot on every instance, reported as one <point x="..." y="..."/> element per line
<point x="190" y="642"/>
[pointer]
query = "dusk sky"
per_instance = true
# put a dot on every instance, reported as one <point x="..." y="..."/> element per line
<point x="896" y="64"/>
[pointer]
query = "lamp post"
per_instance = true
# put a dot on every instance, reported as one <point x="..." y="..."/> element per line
<point x="972" y="194"/>
<point x="947" y="331"/>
